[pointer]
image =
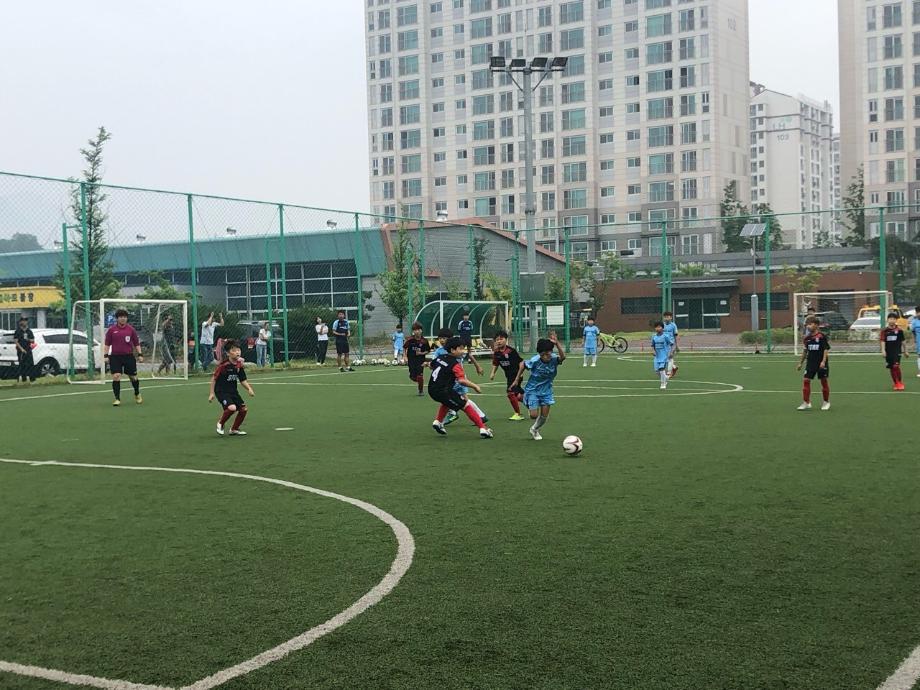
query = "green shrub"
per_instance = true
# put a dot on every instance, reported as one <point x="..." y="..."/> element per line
<point x="781" y="336"/>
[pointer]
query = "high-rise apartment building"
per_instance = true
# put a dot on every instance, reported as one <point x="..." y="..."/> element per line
<point x="649" y="121"/>
<point x="880" y="107"/>
<point x="792" y="163"/>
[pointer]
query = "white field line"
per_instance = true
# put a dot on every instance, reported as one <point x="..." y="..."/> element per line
<point x="905" y="675"/>
<point x="73" y="678"/>
<point x="401" y="563"/>
<point x="836" y="392"/>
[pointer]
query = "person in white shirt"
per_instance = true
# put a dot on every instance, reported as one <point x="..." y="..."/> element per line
<point x="262" y="342"/>
<point x="206" y="341"/>
<point x="322" y="340"/>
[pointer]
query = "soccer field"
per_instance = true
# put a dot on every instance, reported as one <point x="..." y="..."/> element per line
<point x="710" y="536"/>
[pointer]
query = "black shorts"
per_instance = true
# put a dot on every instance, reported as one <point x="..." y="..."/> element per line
<point x="811" y="372"/>
<point x="466" y="339"/>
<point x="416" y="368"/>
<point x="341" y="346"/>
<point x="228" y="399"/>
<point x="891" y="360"/>
<point x="451" y="398"/>
<point x="123" y="364"/>
<point x="517" y="390"/>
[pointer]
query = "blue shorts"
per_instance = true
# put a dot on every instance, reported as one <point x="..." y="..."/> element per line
<point x="462" y="390"/>
<point x="590" y="349"/>
<point x="534" y="400"/>
<point x="661" y="364"/>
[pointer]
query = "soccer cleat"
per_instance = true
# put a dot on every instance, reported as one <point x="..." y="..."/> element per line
<point x="485" y="433"/>
<point x="138" y="399"/>
<point x="899" y="386"/>
<point x="116" y="402"/>
<point x="220" y="430"/>
<point x="825" y="405"/>
<point x="516" y="417"/>
<point x="439" y="427"/>
<point x="451" y="417"/>
<point x="237" y="432"/>
<point x="586" y="364"/>
<point x="673" y="372"/>
<point x="535" y="434"/>
<point x="349" y="369"/>
<point x="342" y="369"/>
<point x="663" y="386"/>
<point x="421" y="393"/>
<point x="804" y="406"/>
<point x="593" y="364"/>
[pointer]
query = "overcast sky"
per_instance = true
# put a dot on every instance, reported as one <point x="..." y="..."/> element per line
<point x="259" y="100"/>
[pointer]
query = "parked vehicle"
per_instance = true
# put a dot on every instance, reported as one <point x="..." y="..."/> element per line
<point x="865" y="328"/>
<point x="50" y="354"/>
<point x="875" y="311"/>
<point x="251" y="330"/>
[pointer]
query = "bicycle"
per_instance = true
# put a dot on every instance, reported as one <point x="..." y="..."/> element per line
<point x="617" y="343"/>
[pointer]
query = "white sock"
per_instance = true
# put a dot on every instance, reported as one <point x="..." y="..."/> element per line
<point x="541" y="420"/>
<point x="585" y="363"/>
<point x="663" y="374"/>
<point x="478" y="409"/>
<point x="593" y="359"/>
<point x="918" y="363"/>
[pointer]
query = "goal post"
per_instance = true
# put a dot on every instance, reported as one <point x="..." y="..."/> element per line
<point x="162" y="329"/>
<point x="852" y="319"/>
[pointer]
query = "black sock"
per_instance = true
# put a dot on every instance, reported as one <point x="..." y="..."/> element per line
<point x="137" y="386"/>
<point x="116" y="389"/>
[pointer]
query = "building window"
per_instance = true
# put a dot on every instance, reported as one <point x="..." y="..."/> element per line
<point x="573" y="146"/>
<point x="657" y="53"/>
<point x="661" y="136"/>
<point x="606" y="165"/>
<point x="574" y="198"/>
<point x="571" y="39"/>
<point x="573" y="119"/>
<point x="657" y="25"/>
<point x="639" y="305"/>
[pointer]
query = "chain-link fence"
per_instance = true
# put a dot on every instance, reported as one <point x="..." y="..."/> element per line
<point x="288" y="270"/>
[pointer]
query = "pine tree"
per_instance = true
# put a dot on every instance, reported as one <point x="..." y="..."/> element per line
<point x="853" y="204"/>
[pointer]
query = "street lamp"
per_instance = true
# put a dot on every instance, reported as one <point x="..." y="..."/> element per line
<point x="231" y="231"/>
<point x="754" y="230"/>
<point x="140" y="238"/>
<point x="543" y="67"/>
<point x="331" y="224"/>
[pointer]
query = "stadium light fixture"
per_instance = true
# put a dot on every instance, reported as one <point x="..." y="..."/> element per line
<point x="140" y="238"/>
<point x="58" y="244"/>
<point x="496" y="62"/>
<point x="538" y="64"/>
<point x="231" y="231"/>
<point x="517" y="64"/>
<point x="331" y="224"/>
<point x="559" y="63"/>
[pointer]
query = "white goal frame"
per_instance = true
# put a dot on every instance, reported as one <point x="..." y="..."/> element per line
<point x="802" y="300"/>
<point x="97" y="374"/>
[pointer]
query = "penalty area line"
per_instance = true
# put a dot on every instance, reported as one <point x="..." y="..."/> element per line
<point x="904" y="675"/>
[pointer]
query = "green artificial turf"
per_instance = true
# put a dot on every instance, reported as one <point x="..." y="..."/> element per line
<point x="706" y="538"/>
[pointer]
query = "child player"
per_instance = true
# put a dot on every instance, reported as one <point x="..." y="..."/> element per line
<point x="121" y="344"/>
<point x="538" y="392"/>
<point x="399" y="339"/>
<point x="446" y="373"/>
<point x="915" y="329"/>
<point x="663" y="350"/>
<point x="590" y="334"/>
<point x="814" y="349"/>
<point x="417" y="349"/>
<point x="443" y="336"/>
<point x="892" y="338"/>
<point x="228" y="374"/>
<point x="671" y="329"/>
<point x="509" y="360"/>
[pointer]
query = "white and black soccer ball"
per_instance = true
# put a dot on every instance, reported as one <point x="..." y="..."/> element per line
<point x="572" y="445"/>
<point x="386" y="362"/>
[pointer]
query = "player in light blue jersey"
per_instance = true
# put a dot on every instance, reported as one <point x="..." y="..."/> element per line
<point x="538" y="392"/>
<point x="671" y="329"/>
<point x="663" y="348"/>
<point x="399" y="341"/>
<point x="443" y="335"/>
<point x="915" y="330"/>
<point x="591" y="332"/>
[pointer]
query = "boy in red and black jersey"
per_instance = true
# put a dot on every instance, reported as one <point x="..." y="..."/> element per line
<point x="417" y="349"/>
<point x="446" y="371"/>
<point x="892" y="339"/>
<point x="815" y="350"/>
<point x="228" y="374"/>
<point x="506" y="357"/>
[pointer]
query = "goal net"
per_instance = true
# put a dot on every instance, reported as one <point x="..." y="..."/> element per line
<point x="162" y="329"/>
<point x="852" y="319"/>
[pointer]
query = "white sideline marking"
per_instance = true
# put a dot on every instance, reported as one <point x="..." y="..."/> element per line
<point x="402" y="562"/>
<point x="904" y="675"/>
<point x="284" y="428"/>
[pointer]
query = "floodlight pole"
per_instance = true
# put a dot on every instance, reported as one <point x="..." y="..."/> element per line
<point x="882" y="267"/>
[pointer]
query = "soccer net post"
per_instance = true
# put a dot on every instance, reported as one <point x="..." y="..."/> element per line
<point x="851" y="319"/>
<point x="162" y="330"/>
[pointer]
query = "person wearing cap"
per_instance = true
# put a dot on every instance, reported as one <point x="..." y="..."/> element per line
<point x="25" y="341"/>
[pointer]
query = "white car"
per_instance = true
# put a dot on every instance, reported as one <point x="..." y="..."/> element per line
<point x="866" y="328"/>
<point x="50" y="354"/>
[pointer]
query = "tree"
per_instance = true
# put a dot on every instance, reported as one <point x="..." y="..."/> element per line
<point x="734" y="215"/>
<point x="498" y="288"/>
<point x="394" y="283"/>
<point x="453" y="289"/>
<point x="102" y="281"/>
<point x="20" y="242"/>
<point x="591" y="280"/>
<point x="690" y="270"/>
<point x="801" y="279"/>
<point x="479" y="260"/>
<point x="854" y="212"/>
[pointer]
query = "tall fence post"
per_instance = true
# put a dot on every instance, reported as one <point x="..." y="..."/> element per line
<point x="193" y="270"/>
<point x="567" y="305"/>
<point x="882" y="266"/>
<point x="517" y="319"/>
<point x="664" y="266"/>
<point x="409" y="260"/>
<point x="84" y="229"/>
<point x="472" y="261"/>
<point x="421" y="263"/>
<point x="768" y="283"/>
<point x="284" y="302"/>
<point x="359" y="286"/>
<point x="67" y="297"/>
<point x="268" y="306"/>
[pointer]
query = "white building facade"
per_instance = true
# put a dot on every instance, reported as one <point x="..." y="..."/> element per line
<point x="648" y="123"/>
<point x="880" y="108"/>
<point x="792" y="163"/>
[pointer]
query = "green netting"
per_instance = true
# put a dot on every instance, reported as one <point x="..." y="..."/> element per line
<point x="487" y="317"/>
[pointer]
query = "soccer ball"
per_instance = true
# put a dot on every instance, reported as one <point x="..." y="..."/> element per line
<point x="386" y="362"/>
<point x="375" y="362"/>
<point x="572" y="445"/>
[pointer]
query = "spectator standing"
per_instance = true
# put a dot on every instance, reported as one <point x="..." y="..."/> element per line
<point x="206" y="341"/>
<point x="25" y="341"/>
<point x="262" y="343"/>
<point x="322" y="340"/>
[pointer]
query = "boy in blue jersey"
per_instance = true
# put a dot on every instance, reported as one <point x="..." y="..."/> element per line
<point x="663" y="348"/>
<point x="399" y="340"/>
<point x="590" y="334"/>
<point x="538" y="392"/>
<point x="915" y="330"/>
<point x="444" y="335"/>
<point x="671" y="329"/>
<point x="465" y="332"/>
